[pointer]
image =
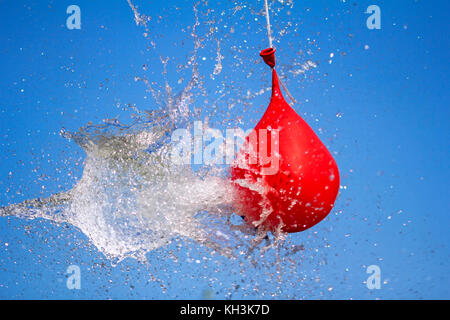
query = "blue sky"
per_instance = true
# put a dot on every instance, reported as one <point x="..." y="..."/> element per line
<point x="381" y="106"/>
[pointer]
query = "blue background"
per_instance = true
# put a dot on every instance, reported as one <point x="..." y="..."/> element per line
<point x="382" y="110"/>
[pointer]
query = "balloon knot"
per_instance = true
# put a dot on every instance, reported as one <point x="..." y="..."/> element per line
<point x="268" y="56"/>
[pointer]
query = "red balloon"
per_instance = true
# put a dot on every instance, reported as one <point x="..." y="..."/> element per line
<point x="297" y="188"/>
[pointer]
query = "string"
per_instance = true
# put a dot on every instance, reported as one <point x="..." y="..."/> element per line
<point x="269" y="34"/>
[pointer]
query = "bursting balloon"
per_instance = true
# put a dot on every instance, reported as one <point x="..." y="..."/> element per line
<point x="298" y="188"/>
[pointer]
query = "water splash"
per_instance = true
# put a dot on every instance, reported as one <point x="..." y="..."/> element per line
<point x="132" y="200"/>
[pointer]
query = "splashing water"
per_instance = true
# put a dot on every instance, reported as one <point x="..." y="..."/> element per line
<point x="131" y="199"/>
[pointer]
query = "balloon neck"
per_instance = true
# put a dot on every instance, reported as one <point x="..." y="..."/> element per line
<point x="276" y="91"/>
<point x="268" y="56"/>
